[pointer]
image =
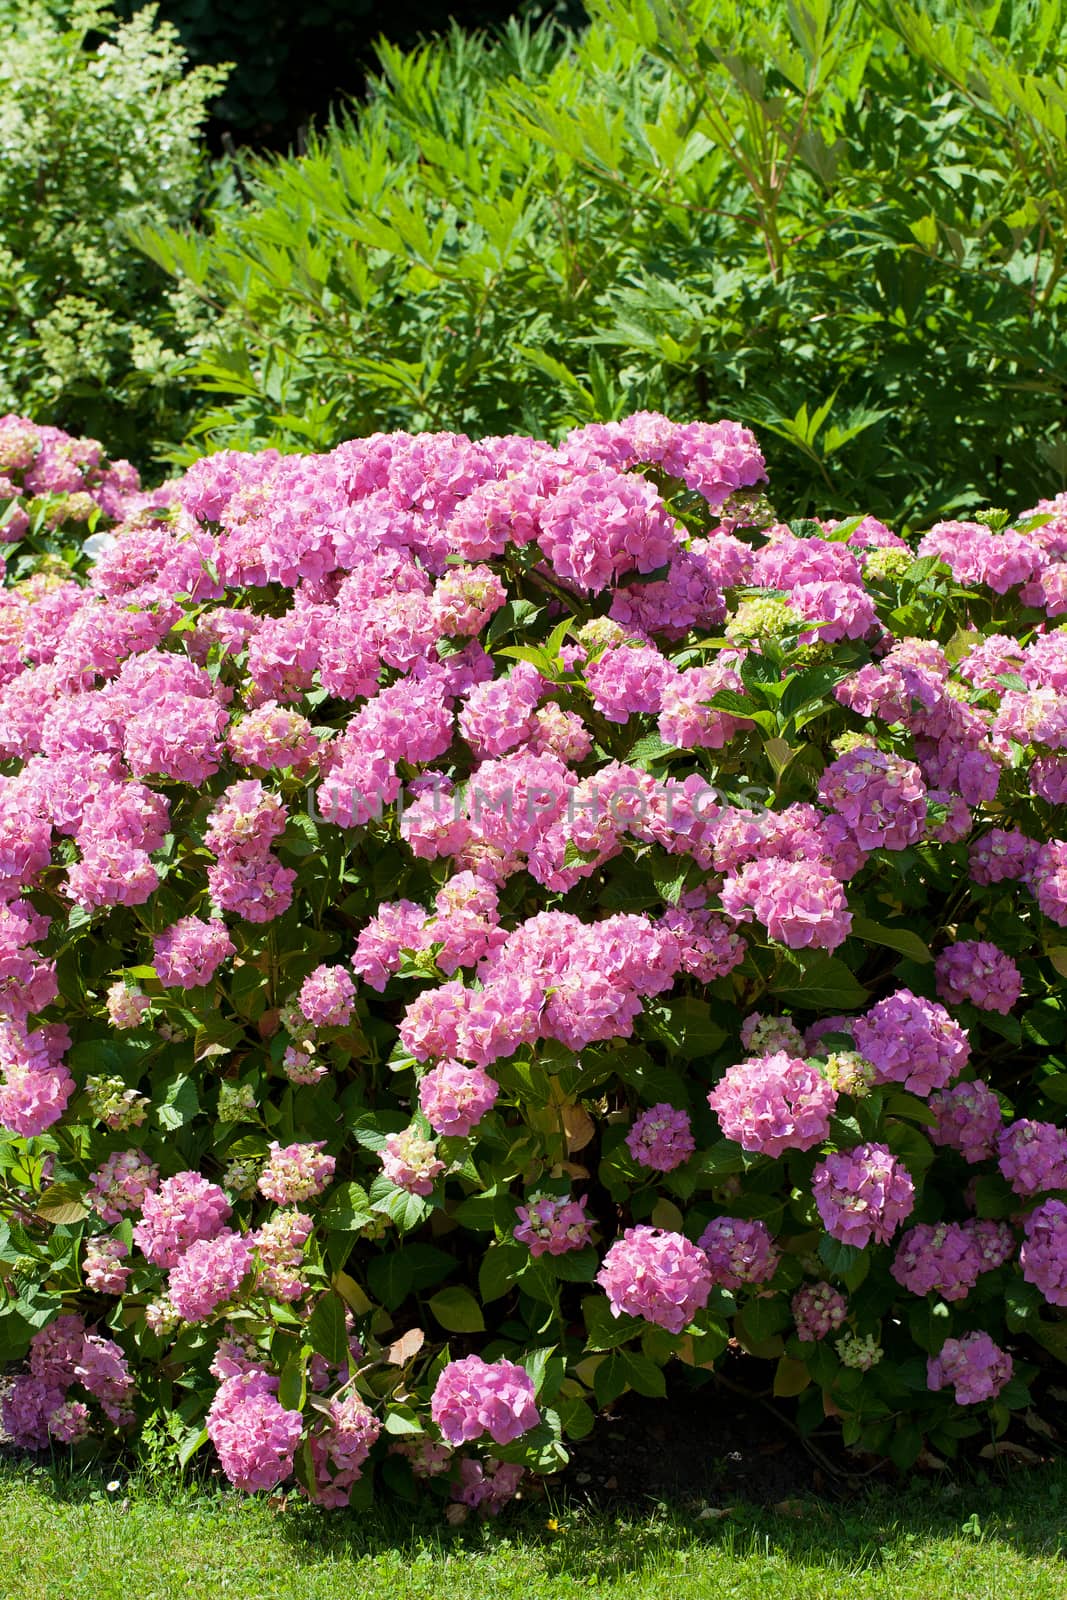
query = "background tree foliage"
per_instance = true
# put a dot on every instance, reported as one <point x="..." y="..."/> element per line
<point x="840" y="224"/>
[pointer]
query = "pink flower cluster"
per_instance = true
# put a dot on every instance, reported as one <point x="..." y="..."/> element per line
<point x="657" y="1275"/>
<point x="553" y="1224"/>
<point x="774" y="1103"/>
<point x="297" y="1172"/>
<point x="411" y="1161"/>
<point x="182" y="1210"/>
<point x="974" y="1368"/>
<point x="1044" y="1251"/>
<point x="255" y="1436"/>
<point x="339" y="1448"/>
<point x="661" y="1138"/>
<point x="968" y="1119"/>
<point x="1033" y="1156"/>
<point x="818" y="1309"/>
<point x="190" y="952"/>
<point x="912" y="1041"/>
<point x="862" y="1194"/>
<point x="975" y="970"/>
<point x="455" y="1098"/>
<point x="473" y="1397"/>
<point x="36" y="1405"/>
<point x="948" y="1258"/>
<point x="739" y="1251"/>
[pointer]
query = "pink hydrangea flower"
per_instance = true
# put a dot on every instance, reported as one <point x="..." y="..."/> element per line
<point x="487" y="1485"/>
<point x="881" y="796"/>
<point x="297" y="1172"/>
<point x="658" y="1275"/>
<point x="455" y="1098"/>
<point x="208" y="1275"/>
<point x="554" y="1224"/>
<point x="1033" y="1156"/>
<point x="326" y="997"/>
<point x="862" y="1194"/>
<point x="661" y="1138"/>
<point x="1043" y="1255"/>
<point x="739" y="1251"/>
<point x="912" y="1041"/>
<point x="774" y="1103"/>
<point x="942" y="1257"/>
<point x="279" y="1246"/>
<point x="974" y="1367"/>
<point x="254" y="1435"/>
<point x="969" y="1119"/>
<point x="975" y="970"/>
<point x="121" y="1183"/>
<point x="473" y="1397"/>
<point x="411" y="1162"/>
<point x="104" y="1272"/>
<point x="188" y="954"/>
<point x="340" y="1446"/>
<point x="818" y="1309"/>
<point x="182" y="1210"/>
<point x="801" y="904"/>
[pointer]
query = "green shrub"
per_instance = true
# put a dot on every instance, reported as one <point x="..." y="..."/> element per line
<point x="98" y="132"/>
<point x="503" y="905"/>
<point x="845" y="231"/>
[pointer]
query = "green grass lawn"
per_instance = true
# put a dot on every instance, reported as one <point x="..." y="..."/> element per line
<point x="69" y="1539"/>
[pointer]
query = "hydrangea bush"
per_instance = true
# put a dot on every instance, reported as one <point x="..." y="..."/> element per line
<point x="483" y="922"/>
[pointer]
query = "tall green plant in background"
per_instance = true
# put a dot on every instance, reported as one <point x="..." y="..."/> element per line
<point x="838" y="225"/>
<point x="98" y="133"/>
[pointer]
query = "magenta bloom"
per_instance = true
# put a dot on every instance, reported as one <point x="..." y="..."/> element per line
<point x="801" y="904"/>
<point x="254" y="1435"/>
<point x="661" y="1138"/>
<point x="881" y="796"/>
<point x="974" y="1367"/>
<point x="975" y="970"/>
<point x="818" y="1309"/>
<point x="473" y="1397"/>
<point x="182" y="1210"/>
<point x="1033" y="1156"/>
<point x="1044" y="1251"/>
<point x="411" y="1162"/>
<point x="658" y="1275"/>
<point x="208" y="1275"/>
<point x="942" y="1258"/>
<point x="553" y="1224"/>
<point x="739" y="1251"/>
<point x="774" y="1103"/>
<point x="326" y="997"/>
<point x="188" y="954"/>
<point x="455" y="1098"/>
<point x="862" y="1194"/>
<point x="912" y="1041"/>
<point x="969" y="1119"/>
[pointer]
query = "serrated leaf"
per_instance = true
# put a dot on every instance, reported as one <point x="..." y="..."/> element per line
<point x="62" y="1203"/>
<point x="347" y="1209"/>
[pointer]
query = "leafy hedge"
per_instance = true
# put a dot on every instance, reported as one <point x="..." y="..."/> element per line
<point x="845" y="229"/>
<point x="99" y="130"/>
<point x="484" y="922"/>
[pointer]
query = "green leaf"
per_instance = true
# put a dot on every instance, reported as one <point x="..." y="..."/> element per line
<point x="900" y="939"/>
<point x="500" y="1268"/>
<point x="839" y="1258"/>
<point x="347" y="1209"/>
<point x="605" y="1331"/>
<point x="820" y="983"/>
<point x="326" y="1332"/>
<point x="62" y="1203"/>
<point x="457" y="1310"/>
